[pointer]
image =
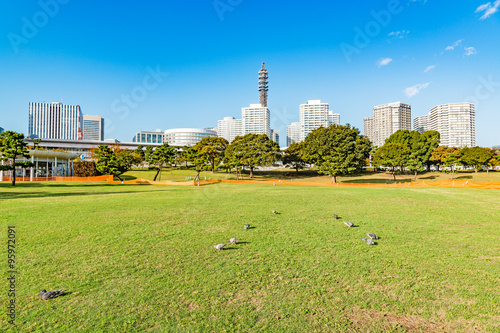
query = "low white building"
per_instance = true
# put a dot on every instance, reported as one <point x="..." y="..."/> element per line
<point x="186" y="136"/>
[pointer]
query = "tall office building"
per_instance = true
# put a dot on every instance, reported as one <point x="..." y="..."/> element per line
<point x="368" y="128"/>
<point x="93" y="128"/>
<point x="455" y="123"/>
<point x="389" y="118"/>
<point x="55" y="121"/>
<point x="275" y="135"/>
<point x="293" y="133"/>
<point x="256" y="119"/>
<point x="420" y="124"/>
<point x="315" y="114"/>
<point x="1" y="130"/>
<point x="229" y="128"/>
<point x="263" y="85"/>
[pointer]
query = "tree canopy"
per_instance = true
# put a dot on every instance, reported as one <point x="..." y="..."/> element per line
<point x="12" y="146"/>
<point x="476" y="157"/>
<point x="420" y="145"/>
<point x="162" y="156"/>
<point x="392" y="155"/>
<point x="211" y="149"/>
<point x="336" y="150"/>
<point x="113" y="160"/>
<point x="293" y="157"/>
<point x="252" y="150"/>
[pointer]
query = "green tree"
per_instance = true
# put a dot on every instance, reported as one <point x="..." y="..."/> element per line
<point x="438" y="156"/>
<point x="148" y="154"/>
<point x="252" y="150"/>
<point x="392" y="155"/>
<point x="140" y="154"/>
<point x="182" y="156"/>
<point x="112" y="160"/>
<point x="475" y="157"/>
<point x="336" y="150"/>
<point x="421" y="146"/>
<point x="451" y="158"/>
<point x="12" y="146"/>
<point x="212" y="150"/>
<point x="162" y="156"/>
<point x="432" y="139"/>
<point x="293" y="157"/>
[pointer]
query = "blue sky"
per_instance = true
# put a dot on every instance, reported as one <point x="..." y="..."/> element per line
<point x="169" y="64"/>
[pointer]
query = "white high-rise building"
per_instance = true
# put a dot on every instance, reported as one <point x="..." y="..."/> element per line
<point x="275" y="135"/>
<point x="229" y="128"/>
<point x="256" y="120"/>
<point x="93" y="128"/>
<point x="315" y="114"/>
<point x="389" y="118"/>
<point x="333" y="118"/>
<point x="55" y="121"/>
<point x="455" y="123"/>
<point x="368" y="128"/>
<point x="293" y="133"/>
<point x="420" y="124"/>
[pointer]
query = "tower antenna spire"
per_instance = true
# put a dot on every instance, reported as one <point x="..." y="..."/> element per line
<point x="263" y="85"/>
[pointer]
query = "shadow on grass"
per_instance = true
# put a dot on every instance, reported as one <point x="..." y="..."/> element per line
<point x="464" y="177"/>
<point x="243" y="243"/>
<point x="22" y="195"/>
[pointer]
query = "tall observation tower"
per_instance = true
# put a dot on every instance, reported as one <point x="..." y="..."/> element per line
<point x="263" y="85"/>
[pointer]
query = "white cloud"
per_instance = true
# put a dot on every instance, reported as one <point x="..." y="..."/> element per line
<point x="383" y="62"/>
<point x="457" y="43"/>
<point x="488" y="9"/>
<point x="483" y="7"/>
<point x="429" y="68"/>
<point x="470" y="51"/>
<point x="412" y="91"/>
<point x="399" y="34"/>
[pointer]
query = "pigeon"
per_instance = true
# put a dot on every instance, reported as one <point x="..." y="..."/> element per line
<point x="247" y="226"/>
<point x="219" y="246"/>
<point x="274" y="212"/>
<point x="371" y="235"/>
<point x="50" y="294"/>
<point x="234" y="241"/>
<point x="349" y="224"/>
<point x="368" y="241"/>
<point x="335" y="216"/>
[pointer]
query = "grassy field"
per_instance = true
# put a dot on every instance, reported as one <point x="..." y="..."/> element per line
<point x="138" y="258"/>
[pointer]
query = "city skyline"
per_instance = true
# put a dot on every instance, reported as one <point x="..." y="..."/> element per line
<point x="352" y="56"/>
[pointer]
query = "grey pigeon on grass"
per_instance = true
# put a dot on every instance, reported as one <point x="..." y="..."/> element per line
<point x="247" y="226"/>
<point x="274" y="212"/>
<point x="349" y="224"/>
<point x="219" y="246"/>
<point x="50" y="294"/>
<point x="368" y="241"/>
<point x="234" y="241"/>
<point x="371" y="235"/>
<point x="335" y="216"/>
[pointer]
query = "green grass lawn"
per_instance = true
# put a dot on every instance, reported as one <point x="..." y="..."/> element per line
<point x="140" y="258"/>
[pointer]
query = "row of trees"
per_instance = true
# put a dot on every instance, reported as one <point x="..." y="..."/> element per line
<point x="335" y="151"/>
<point x="418" y="151"/>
